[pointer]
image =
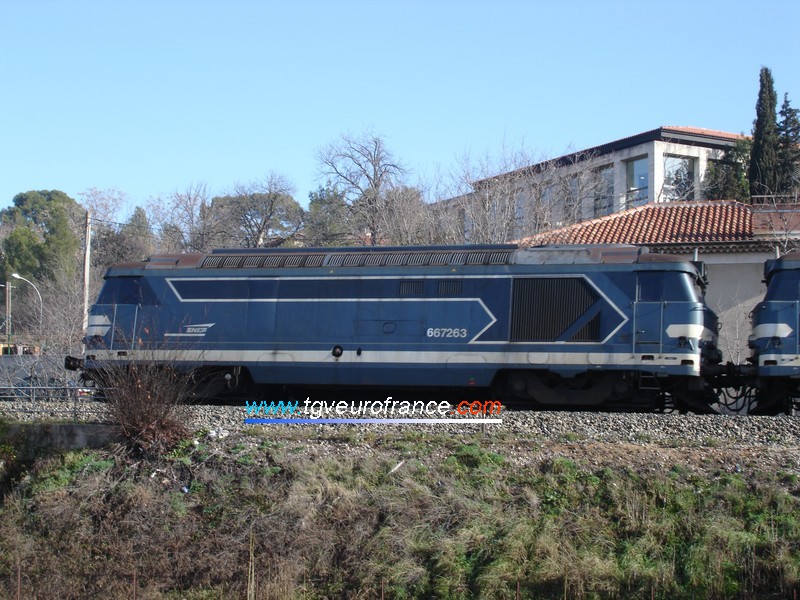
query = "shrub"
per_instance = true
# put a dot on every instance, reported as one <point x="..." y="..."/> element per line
<point x="146" y="402"/>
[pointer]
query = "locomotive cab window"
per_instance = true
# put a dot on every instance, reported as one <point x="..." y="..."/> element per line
<point x="699" y="287"/>
<point x="661" y="286"/>
<point x="126" y="290"/>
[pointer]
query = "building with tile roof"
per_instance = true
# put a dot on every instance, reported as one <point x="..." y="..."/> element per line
<point x="646" y="189"/>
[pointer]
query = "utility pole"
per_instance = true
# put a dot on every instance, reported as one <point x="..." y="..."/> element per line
<point x="8" y="316"/>
<point x="87" y="250"/>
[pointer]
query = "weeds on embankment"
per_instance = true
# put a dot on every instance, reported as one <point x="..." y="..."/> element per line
<point x="255" y="516"/>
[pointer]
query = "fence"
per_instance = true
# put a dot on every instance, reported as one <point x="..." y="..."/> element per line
<point x="35" y="388"/>
<point x="62" y="403"/>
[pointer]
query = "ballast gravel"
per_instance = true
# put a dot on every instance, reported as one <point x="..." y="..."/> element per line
<point x="687" y="429"/>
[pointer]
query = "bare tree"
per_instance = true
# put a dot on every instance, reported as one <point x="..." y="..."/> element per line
<point x="444" y="215"/>
<point x="778" y="222"/>
<point x="579" y="181"/>
<point x="492" y="200"/>
<point x="364" y="170"/>
<point x="108" y="245"/>
<point x="121" y="242"/>
<point x="54" y="320"/>
<point x="404" y="218"/>
<point x="500" y="199"/>
<point x="187" y="221"/>
<point x="104" y="205"/>
<point x="733" y="310"/>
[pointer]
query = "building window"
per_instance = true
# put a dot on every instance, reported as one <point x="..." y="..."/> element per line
<point x="636" y="177"/>
<point x="678" y="178"/>
<point x="604" y="191"/>
<point x="557" y="198"/>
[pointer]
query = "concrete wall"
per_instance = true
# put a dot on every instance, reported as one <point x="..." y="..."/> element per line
<point x="32" y="439"/>
<point x="735" y="287"/>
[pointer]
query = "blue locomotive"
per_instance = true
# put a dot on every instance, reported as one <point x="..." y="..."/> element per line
<point x="774" y="338"/>
<point x="556" y="326"/>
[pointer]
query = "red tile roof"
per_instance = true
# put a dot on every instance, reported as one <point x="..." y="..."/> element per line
<point x="659" y="223"/>
<point x="725" y="135"/>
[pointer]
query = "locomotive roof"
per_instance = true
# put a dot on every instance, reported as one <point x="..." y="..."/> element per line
<point x="790" y="260"/>
<point x="396" y="256"/>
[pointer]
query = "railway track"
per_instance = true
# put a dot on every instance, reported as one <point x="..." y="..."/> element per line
<point x="663" y="428"/>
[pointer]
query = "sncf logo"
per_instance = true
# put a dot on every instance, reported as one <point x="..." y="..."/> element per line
<point x="197" y="328"/>
<point x="194" y="330"/>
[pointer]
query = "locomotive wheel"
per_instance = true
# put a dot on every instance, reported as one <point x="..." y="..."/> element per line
<point x="667" y="404"/>
<point x="772" y="404"/>
<point x="775" y="399"/>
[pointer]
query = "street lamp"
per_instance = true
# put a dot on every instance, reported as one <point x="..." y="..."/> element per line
<point x="41" y="303"/>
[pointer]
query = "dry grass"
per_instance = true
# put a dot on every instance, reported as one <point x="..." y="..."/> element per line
<point x="260" y="517"/>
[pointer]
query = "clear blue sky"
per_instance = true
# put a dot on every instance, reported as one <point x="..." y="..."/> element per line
<point x="152" y="96"/>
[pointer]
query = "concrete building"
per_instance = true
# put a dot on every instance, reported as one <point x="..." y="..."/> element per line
<point x="666" y="164"/>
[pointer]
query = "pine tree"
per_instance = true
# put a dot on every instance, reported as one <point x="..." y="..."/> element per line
<point x="788" y="148"/>
<point x="327" y="219"/>
<point x="763" y="171"/>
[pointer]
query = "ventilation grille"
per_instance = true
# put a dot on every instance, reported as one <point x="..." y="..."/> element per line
<point x="261" y="261"/>
<point x="253" y="261"/>
<point x="357" y="259"/>
<point x="211" y="262"/>
<point x="412" y="287"/>
<point x="233" y="261"/>
<point x="451" y="287"/>
<point x="554" y="309"/>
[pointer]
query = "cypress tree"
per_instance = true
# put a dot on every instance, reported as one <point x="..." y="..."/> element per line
<point x="788" y="147"/>
<point x="763" y="171"/>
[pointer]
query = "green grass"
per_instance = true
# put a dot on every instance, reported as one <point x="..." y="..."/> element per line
<point x="463" y="519"/>
<point x="65" y="469"/>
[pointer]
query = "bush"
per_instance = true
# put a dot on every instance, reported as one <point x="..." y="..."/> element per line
<point x="146" y="401"/>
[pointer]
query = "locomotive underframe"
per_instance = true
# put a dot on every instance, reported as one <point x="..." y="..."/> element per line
<point x="611" y="389"/>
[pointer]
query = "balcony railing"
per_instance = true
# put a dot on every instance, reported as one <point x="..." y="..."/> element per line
<point x="774" y="199"/>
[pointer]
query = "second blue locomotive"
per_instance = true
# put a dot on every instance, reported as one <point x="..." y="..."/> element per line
<point x="774" y="339"/>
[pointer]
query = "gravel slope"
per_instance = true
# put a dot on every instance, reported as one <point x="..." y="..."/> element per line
<point x="668" y="429"/>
